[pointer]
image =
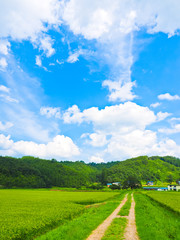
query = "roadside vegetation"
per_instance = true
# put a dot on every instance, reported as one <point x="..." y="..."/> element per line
<point x="27" y="213"/>
<point x="154" y="221"/>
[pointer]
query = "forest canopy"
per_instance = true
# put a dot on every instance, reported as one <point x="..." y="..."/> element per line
<point x="31" y="172"/>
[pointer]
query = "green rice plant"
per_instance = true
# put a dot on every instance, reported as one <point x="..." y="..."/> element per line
<point x="155" y="222"/>
<point x="81" y="227"/>
<point x="116" y="229"/>
<point x="28" y="213"/>
<point x="125" y="209"/>
<point x="170" y="199"/>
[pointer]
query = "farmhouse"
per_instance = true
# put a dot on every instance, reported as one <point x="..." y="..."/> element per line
<point x="150" y="183"/>
<point x="114" y="183"/>
<point x="173" y="188"/>
<point x="109" y="184"/>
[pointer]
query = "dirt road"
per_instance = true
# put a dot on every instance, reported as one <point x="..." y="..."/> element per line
<point x="98" y="233"/>
<point x="131" y="231"/>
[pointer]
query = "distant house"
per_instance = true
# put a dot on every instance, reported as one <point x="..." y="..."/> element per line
<point x="173" y="188"/>
<point x="114" y="183"/>
<point x="109" y="184"/>
<point x="150" y="183"/>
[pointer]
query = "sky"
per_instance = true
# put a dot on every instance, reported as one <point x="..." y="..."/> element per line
<point x="89" y="80"/>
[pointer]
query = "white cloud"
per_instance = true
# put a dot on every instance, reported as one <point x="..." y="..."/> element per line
<point x="30" y="20"/>
<point x="162" y="115"/>
<point x="50" y="112"/>
<point x="3" y="63"/>
<point x="155" y="105"/>
<point x="169" y="97"/>
<point x="60" y="146"/>
<point x="112" y="24"/>
<point x="122" y="117"/>
<point x="46" y="45"/>
<point x="4" y="127"/>
<point x="73" y="57"/>
<point x="38" y="61"/>
<point x="174" y="129"/>
<point x="4" y="89"/>
<point x="120" y="91"/>
<point x="122" y="130"/>
<point x="96" y="159"/>
<point x="4" y="47"/>
<point x="138" y="143"/>
<point x="95" y="139"/>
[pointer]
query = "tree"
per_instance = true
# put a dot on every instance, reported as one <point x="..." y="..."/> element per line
<point x="169" y="178"/>
<point x="132" y="182"/>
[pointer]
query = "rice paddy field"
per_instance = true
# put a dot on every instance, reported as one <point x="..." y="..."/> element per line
<point x="157" y="215"/>
<point x="168" y="199"/>
<point x="50" y="215"/>
<point x="25" y="214"/>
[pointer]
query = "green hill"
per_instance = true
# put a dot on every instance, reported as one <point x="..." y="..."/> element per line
<point x="30" y="172"/>
<point x="145" y="168"/>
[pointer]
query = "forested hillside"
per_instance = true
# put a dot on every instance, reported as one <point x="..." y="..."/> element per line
<point x="30" y="172"/>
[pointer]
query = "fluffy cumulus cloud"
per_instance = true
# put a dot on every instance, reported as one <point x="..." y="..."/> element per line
<point x="95" y="139"/>
<point x="112" y="25"/>
<point x="122" y="117"/>
<point x="169" y="97"/>
<point x="60" y="146"/>
<point x="96" y="159"/>
<point x="122" y="130"/>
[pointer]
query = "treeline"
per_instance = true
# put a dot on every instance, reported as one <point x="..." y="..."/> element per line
<point x="30" y="172"/>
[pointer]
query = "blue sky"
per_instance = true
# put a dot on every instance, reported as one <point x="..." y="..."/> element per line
<point x="88" y="80"/>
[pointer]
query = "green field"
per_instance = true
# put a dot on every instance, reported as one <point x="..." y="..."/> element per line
<point x="169" y="199"/>
<point x="154" y="220"/>
<point x="29" y="213"/>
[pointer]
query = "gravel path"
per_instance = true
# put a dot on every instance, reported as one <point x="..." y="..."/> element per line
<point x="98" y="233"/>
<point x="131" y="231"/>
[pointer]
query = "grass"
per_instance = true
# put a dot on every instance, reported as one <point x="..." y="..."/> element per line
<point x="155" y="222"/>
<point x="116" y="230"/>
<point x="81" y="227"/>
<point x="170" y="199"/>
<point x="125" y="209"/>
<point x="28" y="213"/>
